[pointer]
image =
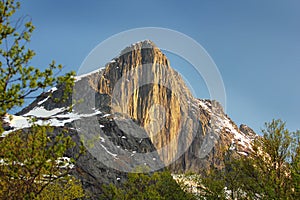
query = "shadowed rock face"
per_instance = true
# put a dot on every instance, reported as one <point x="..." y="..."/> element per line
<point x="138" y="111"/>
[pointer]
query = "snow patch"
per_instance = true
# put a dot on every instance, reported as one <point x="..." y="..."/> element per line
<point x="77" y="78"/>
<point x="220" y="121"/>
<point x="110" y="153"/>
<point x="51" y="118"/>
<point x="64" y="162"/>
<point x="106" y="115"/>
<point x="204" y="106"/>
<point x="19" y="121"/>
<point x="242" y="153"/>
<point x="52" y="89"/>
<point x="42" y="112"/>
<point x="102" y="139"/>
<point x="16" y="122"/>
<point x="41" y="102"/>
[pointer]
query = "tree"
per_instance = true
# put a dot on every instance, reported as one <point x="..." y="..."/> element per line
<point x="271" y="157"/>
<point x="32" y="164"/>
<point x="159" y="185"/>
<point x="296" y="166"/>
<point x="212" y="185"/>
<point x="35" y="165"/>
<point x="270" y="171"/>
<point x="19" y="80"/>
<point x="225" y="183"/>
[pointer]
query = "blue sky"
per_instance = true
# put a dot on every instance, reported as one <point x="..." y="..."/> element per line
<point x="255" y="44"/>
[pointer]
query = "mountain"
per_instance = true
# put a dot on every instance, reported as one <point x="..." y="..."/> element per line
<point x="137" y="111"/>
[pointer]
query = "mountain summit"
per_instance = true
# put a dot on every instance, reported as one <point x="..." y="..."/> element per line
<point x="144" y="88"/>
<point x="137" y="111"/>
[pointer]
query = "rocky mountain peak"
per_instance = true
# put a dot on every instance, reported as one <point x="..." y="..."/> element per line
<point x="144" y="87"/>
<point x="132" y="59"/>
<point x="138" y="111"/>
<point x="144" y="44"/>
<point x="247" y="130"/>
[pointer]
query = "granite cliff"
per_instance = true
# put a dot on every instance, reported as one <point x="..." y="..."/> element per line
<point x="138" y="111"/>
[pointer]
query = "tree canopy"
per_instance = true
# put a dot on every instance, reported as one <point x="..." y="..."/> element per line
<point x="159" y="185"/>
<point x="18" y="79"/>
<point x="270" y="171"/>
<point x="32" y="161"/>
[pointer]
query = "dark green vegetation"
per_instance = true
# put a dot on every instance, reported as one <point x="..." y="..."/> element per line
<point x="270" y="171"/>
<point x="31" y="162"/>
<point x="159" y="185"/>
<point x="19" y="80"/>
<point x="33" y="166"/>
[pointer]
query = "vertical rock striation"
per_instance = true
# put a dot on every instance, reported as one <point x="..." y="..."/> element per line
<point x="188" y="133"/>
<point x="150" y="106"/>
<point x="137" y="111"/>
<point x="144" y="87"/>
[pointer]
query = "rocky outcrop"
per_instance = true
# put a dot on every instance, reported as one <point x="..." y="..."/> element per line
<point x="186" y="132"/>
<point x="247" y="130"/>
<point x="114" y="153"/>
<point x="144" y="87"/>
<point x="138" y="111"/>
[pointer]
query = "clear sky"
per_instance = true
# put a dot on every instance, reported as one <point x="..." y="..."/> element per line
<point x="255" y="44"/>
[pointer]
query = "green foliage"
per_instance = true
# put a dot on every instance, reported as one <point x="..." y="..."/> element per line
<point x="68" y="189"/>
<point x="139" y="186"/>
<point x="226" y="183"/>
<point x="271" y="171"/>
<point x="271" y="158"/>
<point x="31" y="164"/>
<point x="212" y="185"/>
<point x="295" y="166"/>
<point x="19" y="80"/>
<point x="30" y="160"/>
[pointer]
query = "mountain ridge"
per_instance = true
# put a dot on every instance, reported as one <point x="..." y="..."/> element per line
<point x="138" y="111"/>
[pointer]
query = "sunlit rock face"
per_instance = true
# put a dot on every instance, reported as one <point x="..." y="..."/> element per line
<point x="137" y="111"/>
<point x="143" y="87"/>
<point x="146" y="89"/>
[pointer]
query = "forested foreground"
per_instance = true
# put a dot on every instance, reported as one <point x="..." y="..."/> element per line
<point x="270" y="171"/>
<point x="33" y="166"/>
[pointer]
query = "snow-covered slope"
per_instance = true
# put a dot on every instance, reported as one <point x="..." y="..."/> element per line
<point x="57" y="116"/>
<point x="193" y="130"/>
<point x="222" y="124"/>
